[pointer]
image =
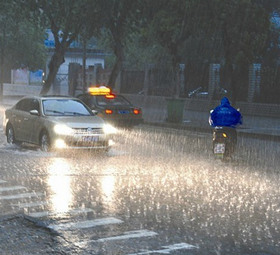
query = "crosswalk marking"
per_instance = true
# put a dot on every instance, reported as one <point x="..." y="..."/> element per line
<point x="168" y="249"/>
<point x="88" y="223"/>
<point x="130" y="234"/>
<point x="79" y="211"/>
<point x="85" y="224"/>
<point x="28" y="205"/>
<point x="126" y="235"/>
<point x="12" y="188"/>
<point x="71" y="212"/>
<point x="39" y="214"/>
<point x="22" y="195"/>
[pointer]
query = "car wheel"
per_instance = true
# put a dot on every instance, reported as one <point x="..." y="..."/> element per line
<point x="45" y="143"/>
<point x="10" y="135"/>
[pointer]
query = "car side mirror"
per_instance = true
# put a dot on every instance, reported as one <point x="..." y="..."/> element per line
<point x="94" y="112"/>
<point x="34" y="112"/>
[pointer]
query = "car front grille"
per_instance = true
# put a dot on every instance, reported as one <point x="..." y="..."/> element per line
<point x="89" y="131"/>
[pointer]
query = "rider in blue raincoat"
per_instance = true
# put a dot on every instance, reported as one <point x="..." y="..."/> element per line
<point x="225" y="115"/>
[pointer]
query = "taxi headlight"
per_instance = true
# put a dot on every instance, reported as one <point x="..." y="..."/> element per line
<point x="109" y="129"/>
<point x="61" y="129"/>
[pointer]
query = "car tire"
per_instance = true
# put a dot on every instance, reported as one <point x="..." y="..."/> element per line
<point x="45" y="142"/>
<point x="11" y="135"/>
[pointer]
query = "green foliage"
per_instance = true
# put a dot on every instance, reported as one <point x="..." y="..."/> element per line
<point x="28" y="48"/>
<point x="244" y="26"/>
<point x="21" y="41"/>
<point x="140" y="32"/>
<point x="119" y="21"/>
<point x="67" y="20"/>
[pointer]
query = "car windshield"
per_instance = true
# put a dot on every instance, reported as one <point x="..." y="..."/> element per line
<point x="118" y="100"/>
<point x="64" y="107"/>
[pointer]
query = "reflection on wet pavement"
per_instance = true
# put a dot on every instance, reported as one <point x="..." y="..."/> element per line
<point x="160" y="181"/>
<point x="59" y="181"/>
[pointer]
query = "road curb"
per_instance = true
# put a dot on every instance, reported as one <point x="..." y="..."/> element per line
<point x="203" y="129"/>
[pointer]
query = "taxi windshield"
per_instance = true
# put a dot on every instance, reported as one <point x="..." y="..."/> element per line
<point x="64" y="107"/>
<point x="117" y="101"/>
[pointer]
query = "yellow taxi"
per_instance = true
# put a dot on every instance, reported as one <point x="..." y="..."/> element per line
<point x="115" y="109"/>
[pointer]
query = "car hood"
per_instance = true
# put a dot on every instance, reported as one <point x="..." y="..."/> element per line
<point x="81" y="121"/>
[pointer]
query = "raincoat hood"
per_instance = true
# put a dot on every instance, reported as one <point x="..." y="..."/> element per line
<point x="225" y="115"/>
<point x="225" y="102"/>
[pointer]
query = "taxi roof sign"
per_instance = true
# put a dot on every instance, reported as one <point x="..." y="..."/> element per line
<point x="99" y="90"/>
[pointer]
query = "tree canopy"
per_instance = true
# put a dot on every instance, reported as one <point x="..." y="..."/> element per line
<point x="232" y="32"/>
<point x="21" y="40"/>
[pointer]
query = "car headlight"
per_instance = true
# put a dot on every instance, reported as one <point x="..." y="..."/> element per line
<point x="109" y="129"/>
<point x="62" y="129"/>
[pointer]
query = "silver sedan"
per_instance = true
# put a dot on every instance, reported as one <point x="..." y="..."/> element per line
<point x="53" y="122"/>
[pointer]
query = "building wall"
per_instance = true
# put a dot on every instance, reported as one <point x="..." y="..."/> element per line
<point x="61" y="84"/>
<point x="91" y="61"/>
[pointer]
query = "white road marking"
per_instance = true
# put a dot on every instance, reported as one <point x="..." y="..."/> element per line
<point x="168" y="249"/>
<point x="19" y="196"/>
<point x="129" y="234"/>
<point x="126" y="235"/>
<point x="85" y="224"/>
<point x="12" y="188"/>
<point x="1" y="181"/>
<point x="28" y="205"/>
<point x="71" y="212"/>
<point x="39" y="214"/>
<point x="79" y="211"/>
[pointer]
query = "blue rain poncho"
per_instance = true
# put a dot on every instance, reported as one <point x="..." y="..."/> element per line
<point x="225" y="115"/>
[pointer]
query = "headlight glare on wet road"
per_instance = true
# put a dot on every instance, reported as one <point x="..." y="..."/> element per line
<point x="61" y="129"/>
<point x="109" y="129"/>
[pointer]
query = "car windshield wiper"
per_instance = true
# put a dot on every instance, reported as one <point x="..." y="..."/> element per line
<point x="54" y="111"/>
<point x="76" y="113"/>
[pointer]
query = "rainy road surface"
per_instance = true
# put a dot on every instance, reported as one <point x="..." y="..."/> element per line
<point x="158" y="191"/>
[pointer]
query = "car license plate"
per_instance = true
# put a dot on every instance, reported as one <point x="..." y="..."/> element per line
<point x="90" y="138"/>
<point x="123" y="112"/>
<point x="219" y="148"/>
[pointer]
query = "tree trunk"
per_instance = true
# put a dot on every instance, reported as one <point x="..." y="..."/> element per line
<point x="56" y="61"/>
<point x="115" y="72"/>
<point x="2" y="58"/>
<point x="231" y="81"/>
<point x="175" y="70"/>
<point x="234" y="86"/>
<point x="118" y="64"/>
<point x="1" y="74"/>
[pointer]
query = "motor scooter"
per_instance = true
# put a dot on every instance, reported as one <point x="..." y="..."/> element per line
<point x="224" y="142"/>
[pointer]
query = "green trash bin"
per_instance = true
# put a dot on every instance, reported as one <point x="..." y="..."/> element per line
<point x="175" y="110"/>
